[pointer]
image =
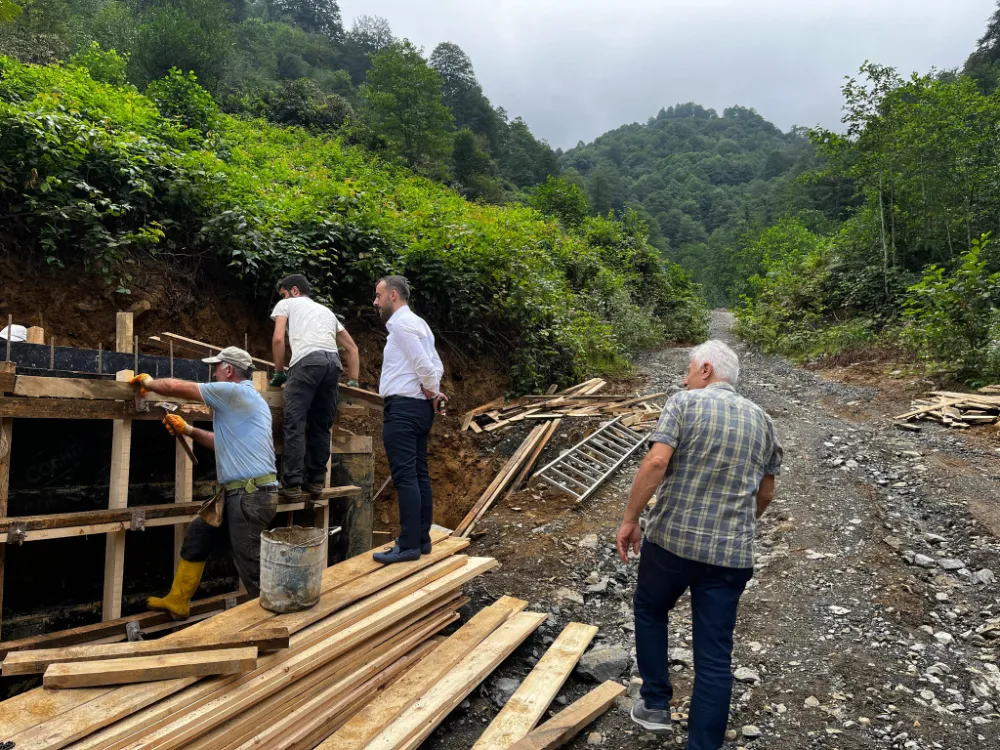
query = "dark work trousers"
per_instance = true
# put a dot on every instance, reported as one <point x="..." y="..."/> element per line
<point x="715" y="596"/>
<point x="406" y="425"/>
<point x="243" y="521"/>
<point x="310" y="409"/>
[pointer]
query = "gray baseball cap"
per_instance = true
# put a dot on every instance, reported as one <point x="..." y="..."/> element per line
<point x="232" y="355"/>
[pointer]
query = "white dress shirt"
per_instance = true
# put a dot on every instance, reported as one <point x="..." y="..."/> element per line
<point x="409" y="360"/>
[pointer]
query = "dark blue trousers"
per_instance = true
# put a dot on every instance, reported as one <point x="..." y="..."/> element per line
<point x="406" y="425"/>
<point x="715" y="596"/>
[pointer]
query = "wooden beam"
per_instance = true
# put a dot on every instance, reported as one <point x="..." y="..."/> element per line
<point x="8" y="381"/>
<point x="563" y="727"/>
<point x="150" y="668"/>
<point x="384" y="709"/>
<point x="6" y="445"/>
<point x="359" y="395"/>
<point x="124" y="340"/>
<point x="37" y="661"/>
<point x="110" y="628"/>
<point x="36" y="335"/>
<point x="420" y="719"/>
<point x="83" y="713"/>
<point x="528" y="704"/>
<point x="104" y="515"/>
<point x="183" y="491"/>
<point x="31" y="386"/>
<point x="121" y="454"/>
<point x="197" y="348"/>
<point x="69" y="408"/>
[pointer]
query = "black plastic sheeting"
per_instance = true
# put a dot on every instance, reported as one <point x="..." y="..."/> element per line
<point x="64" y="466"/>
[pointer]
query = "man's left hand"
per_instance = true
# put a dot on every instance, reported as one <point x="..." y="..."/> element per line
<point x="629" y="535"/>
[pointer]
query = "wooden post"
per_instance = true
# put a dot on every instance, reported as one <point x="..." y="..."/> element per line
<point x="352" y="462"/>
<point x="36" y="335"/>
<point x="123" y="332"/>
<point x="260" y="380"/>
<point x="183" y="492"/>
<point x="6" y="434"/>
<point x="121" y="450"/>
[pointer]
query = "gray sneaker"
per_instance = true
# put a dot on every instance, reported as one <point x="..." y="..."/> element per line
<point x="653" y="720"/>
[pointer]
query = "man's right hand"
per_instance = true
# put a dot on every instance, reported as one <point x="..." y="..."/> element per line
<point x="279" y="379"/>
<point x="629" y="535"/>
<point x="176" y="425"/>
<point x="141" y="380"/>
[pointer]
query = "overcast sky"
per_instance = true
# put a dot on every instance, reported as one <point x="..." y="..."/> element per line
<point x="574" y="69"/>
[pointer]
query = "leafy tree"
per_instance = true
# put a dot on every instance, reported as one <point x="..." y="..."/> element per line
<point x="109" y="67"/>
<point x="368" y="36"/>
<point x="402" y="102"/>
<point x="462" y="93"/>
<point x="191" y="35"/>
<point x="562" y="199"/>
<point x="9" y="10"/>
<point x="313" y="16"/>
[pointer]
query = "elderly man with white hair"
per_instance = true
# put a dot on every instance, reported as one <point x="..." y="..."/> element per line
<point x="714" y="455"/>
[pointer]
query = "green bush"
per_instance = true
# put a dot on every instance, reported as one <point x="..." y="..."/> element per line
<point x="98" y="174"/>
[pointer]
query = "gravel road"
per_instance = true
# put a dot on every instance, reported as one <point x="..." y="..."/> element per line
<point x="872" y="621"/>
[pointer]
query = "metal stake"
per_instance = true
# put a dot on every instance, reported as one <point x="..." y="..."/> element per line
<point x="100" y="359"/>
<point x="10" y="327"/>
<point x="135" y="353"/>
<point x="52" y="353"/>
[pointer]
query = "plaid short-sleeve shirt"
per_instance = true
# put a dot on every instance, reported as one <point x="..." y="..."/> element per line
<point x="706" y="506"/>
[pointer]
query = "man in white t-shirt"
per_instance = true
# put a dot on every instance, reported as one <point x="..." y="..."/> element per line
<point x="313" y="375"/>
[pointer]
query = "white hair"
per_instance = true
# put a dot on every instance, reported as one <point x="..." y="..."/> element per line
<point x="724" y="361"/>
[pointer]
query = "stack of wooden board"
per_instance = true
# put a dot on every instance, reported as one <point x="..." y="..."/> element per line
<point x="579" y="401"/>
<point x="958" y="410"/>
<point x="372" y="624"/>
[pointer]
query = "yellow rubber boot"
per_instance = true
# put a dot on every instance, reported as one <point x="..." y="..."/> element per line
<point x="178" y="601"/>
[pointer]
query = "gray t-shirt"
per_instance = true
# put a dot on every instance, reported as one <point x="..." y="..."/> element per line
<point x="241" y="418"/>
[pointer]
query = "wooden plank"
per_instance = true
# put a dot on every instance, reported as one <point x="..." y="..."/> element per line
<point x="420" y="719"/>
<point x="192" y="724"/>
<point x="8" y="382"/>
<point x="499" y="482"/>
<point x="38" y="660"/>
<point x="532" y="459"/>
<point x="246" y="725"/>
<point x="359" y="395"/>
<point x="638" y="400"/>
<point x="383" y="710"/>
<point x="472" y="414"/>
<point x="150" y="668"/>
<point x="932" y="407"/>
<point x="183" y="491"/>
<point x="506" y="422"/>
<point x="306" y="719"/>
<point x="124" y="340"/>
<point x="104" y="515"/>
<point x="98" y="630"/>
<point x="568" y="723"/>
<point x="198" y="348"/>
<point x="36" y="335"/>
<point x="114" y="551"/>
<point x="529" y="703"/>
<point x="69" y="408"/>
<point x="6" y="446"/>
<point x="57" y="719"/>
<point x="31" y="386"/>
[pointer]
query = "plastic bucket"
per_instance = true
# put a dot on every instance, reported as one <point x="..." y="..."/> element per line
<point x="291" y="568"/>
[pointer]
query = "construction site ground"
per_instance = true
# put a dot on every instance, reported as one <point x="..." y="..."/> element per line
<point x="874" y="572"/>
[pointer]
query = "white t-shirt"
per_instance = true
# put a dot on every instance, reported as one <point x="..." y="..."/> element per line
<point x="311" y="326"/>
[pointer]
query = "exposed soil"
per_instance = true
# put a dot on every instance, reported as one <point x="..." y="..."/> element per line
<point x="850" y="640"/>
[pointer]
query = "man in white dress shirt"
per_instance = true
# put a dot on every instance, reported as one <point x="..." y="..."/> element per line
<point x="411" y="388"/>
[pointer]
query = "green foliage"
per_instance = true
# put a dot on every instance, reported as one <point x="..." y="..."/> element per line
<point x="402" y="102"/>
<point x="950" y="314"/>
<point x="302" y="102"/>
<point x="9" y="10"/>
<point x="562" y="199"/>
<point x="191" y="35"/>
<point x="701" y="181"/>
<point x="97" y="174"/>
<point x="108" y="67"/>
<point x="179" y="97"/>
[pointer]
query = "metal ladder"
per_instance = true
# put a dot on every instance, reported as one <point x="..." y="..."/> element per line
<point x="584" y="467"/>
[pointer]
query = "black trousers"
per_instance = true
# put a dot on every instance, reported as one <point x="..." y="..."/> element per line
<point x="243" y="521"/>
<point x="310" y="409"/>
<point x="406" y="425"/>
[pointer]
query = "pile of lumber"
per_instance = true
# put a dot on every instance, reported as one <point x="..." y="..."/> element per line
<point x="364" y="668"/>
<point x="581" y="400"/>
<point x="958" y="410"/>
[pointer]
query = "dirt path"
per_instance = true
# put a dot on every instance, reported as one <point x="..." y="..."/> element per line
<point x="875" y="572"/>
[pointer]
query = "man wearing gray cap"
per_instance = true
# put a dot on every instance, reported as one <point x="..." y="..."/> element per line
<point x="244" y="461"/>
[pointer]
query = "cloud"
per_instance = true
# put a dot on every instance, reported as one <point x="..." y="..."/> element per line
<point x="574" y="69"/>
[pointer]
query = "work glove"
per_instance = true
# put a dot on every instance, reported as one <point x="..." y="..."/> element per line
<point x="279" y="379"/>
<point x="352" y="382"/>
<point x="176" y="425"/>
<point x="141" y="380"/>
